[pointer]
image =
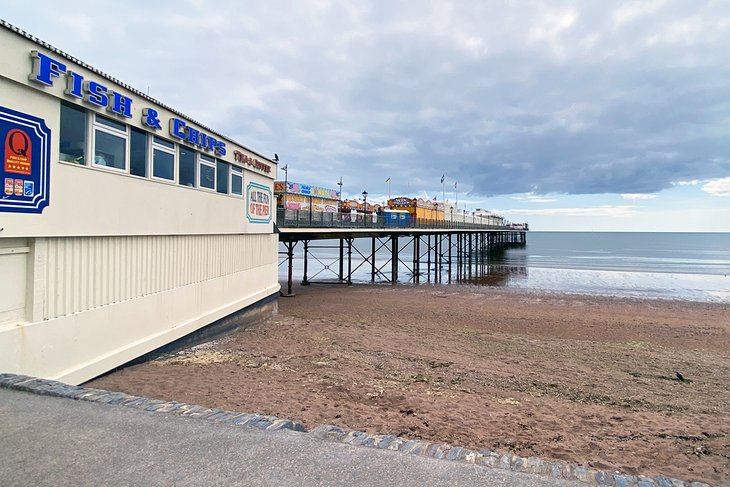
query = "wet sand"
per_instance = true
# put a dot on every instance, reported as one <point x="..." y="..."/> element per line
<point x="579" y="378"/>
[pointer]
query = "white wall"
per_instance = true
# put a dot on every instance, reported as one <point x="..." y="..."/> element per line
<point x="116" y="265"/>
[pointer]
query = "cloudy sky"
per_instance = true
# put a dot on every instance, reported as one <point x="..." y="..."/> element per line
<point x="570" y="115"/>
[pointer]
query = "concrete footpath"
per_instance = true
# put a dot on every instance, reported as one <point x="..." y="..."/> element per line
<point x="57" y="441"/>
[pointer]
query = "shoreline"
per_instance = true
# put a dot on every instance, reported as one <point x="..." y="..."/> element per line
<point x="609" y="288"/>
<point x="516" y="290"/>
<point x="589" y="379"/>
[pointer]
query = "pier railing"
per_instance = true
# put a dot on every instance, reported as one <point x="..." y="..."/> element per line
<point x="317" y="219"/>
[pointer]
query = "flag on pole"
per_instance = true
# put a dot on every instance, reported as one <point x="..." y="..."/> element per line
<point x="442" y="178"/>
<point x="387" y="180"/>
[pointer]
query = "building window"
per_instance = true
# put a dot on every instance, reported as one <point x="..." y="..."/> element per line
<point x="110" y="143"/>
<point x="236" y="180"/>
<point x="138" y="152"/>
<point x="131" y="150"/>
<point x="223" y="173"/>
<point x="207" y="172"/>
<point x="163" y="159"/>
<point x="73" y="134"/>
<point x="186" y="174"/>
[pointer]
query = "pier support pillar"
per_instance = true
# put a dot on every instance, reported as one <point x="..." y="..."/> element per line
<point x="305" y="282"/>
<point x="449" y="268"/>
<point x="342" y="259"/>
<point x="439" y="259"/>
<point x="417" y="257"/>
<point x="471" y="249"/>
<point x="349" y="261"/>
<point x="428" y="257"/>
<point x="394" y="261"/>
<point x="372" y="262"/>
<point x="290" y="256"/>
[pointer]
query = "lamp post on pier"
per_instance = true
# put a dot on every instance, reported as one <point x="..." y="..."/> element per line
<point x="365" y="206"/>
<point x="286" y="184"/>
<point x="340" y="192"/>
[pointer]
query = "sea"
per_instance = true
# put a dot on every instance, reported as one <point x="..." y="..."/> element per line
<point x="683" y="266"/>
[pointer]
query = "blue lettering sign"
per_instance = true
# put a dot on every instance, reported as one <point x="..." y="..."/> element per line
<point x="74" y="84"/>
<point x="96" y="93"/>
<point x="151" y="119"/>
<point x="180" y="130"/>
<point x="120" y="104"/>
<point x="193" y="136"/>
<point x="45" y="68"/>
<point x="177" y="128"/>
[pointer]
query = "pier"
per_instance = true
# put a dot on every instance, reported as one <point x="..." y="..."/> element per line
<point x="454" y="250"/>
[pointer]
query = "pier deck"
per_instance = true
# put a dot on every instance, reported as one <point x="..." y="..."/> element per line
<point x="443" y="244"/>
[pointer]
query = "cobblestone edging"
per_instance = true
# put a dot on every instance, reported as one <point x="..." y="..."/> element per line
<point x="487" y="458"/>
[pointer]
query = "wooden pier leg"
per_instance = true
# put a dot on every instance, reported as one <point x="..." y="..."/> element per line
<point x="289" y="255"/>
<point x="305" y="282"/>
<point x="483" y="252"/>
<point x="342" y="259"/>
<point x="458" y="255"/>
<point x="428" y="258"/>
<point x="439" y="260"/>
<point x="478" y="247"/>
<point x="471" y="251"/>
<point x="413" y="243"/>
<point x="417" y="267"/>
<point x="372" y="263"/>
<point x="394" y="262"/>
<point x="482" y="247"/>
<point x="449" y="271"/>
<point x="462" y="254"/>
<point x="349" y="261"/>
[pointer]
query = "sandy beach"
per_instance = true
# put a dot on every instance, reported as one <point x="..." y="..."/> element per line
<point x="579" y="378"/>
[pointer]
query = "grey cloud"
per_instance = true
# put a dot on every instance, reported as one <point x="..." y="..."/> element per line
<point x="505" y="97"/>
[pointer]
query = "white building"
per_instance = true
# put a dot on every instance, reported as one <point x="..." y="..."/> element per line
<point x="124" y="225"/>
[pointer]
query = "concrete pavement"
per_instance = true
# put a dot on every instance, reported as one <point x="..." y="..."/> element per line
<point x="56" y="441"/>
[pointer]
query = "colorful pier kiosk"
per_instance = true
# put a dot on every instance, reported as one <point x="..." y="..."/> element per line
<point x="300" y="196"/>
<point x="124" y="224"/>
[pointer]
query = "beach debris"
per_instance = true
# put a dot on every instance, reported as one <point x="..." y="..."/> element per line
<point x="434" y="364"/>
<point x="680" y="377"/>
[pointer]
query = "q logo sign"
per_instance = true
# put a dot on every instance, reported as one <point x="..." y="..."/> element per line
<point x="25" y="166"/>
<point x="18" y="152"/>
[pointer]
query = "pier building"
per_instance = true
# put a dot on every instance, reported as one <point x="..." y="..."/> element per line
<point x="124" y="224"/>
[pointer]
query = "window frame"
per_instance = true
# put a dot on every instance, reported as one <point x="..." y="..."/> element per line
<point x="196" y="175"/>
<point x="235" y="171"/>
<point x="95" y="126"/>
<point x="209" y="163"/>
<point x="154" y="145"/>
<point x="86" y="143"/>
<point x="147" y="162"/>
<point x="218" y="164"/>
<point x="94" y="123"/>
